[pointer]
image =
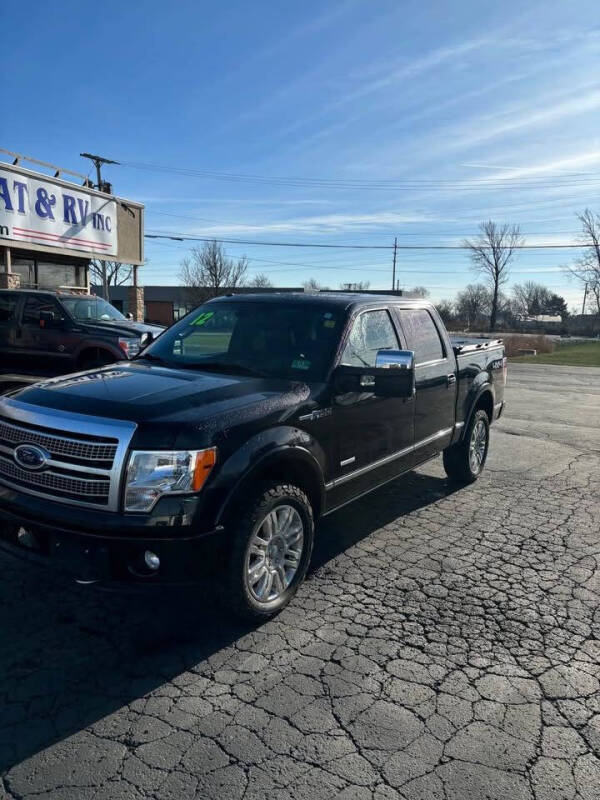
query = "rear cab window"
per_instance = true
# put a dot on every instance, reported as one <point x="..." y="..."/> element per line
<point x="423" y="335"/>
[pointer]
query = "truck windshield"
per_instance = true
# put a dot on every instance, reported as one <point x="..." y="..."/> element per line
<point x="286" y="340"/>
<point x="91" y="308"/>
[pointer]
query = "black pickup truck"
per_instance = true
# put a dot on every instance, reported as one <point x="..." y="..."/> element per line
<point x="225" y="440"/>
<point x="55" y="332"/>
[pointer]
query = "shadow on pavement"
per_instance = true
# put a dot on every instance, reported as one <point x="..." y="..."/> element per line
<point x="69" y="656"/>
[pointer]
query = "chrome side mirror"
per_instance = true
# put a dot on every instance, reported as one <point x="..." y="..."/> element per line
<point x="395" y="359"/>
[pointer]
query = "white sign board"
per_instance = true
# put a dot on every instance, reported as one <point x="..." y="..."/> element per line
<point x="56" y="215"/>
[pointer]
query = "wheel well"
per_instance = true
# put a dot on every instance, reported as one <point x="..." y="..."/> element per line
<point x="283" y="469"/>
<point x="485" y="402"/>
<point x="91" y="353"/>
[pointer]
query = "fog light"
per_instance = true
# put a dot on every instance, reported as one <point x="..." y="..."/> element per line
<point x="151" y="560"/>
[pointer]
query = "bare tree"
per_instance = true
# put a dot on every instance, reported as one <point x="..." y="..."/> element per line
<point x="586" y="269"/>
<point x="530" y="299"/>
<point x="116" y="273"/>
<point x="260" y="281"/>
<point x="358" y="286"/>
<point x="312" y="285"/>
<point x="208" y="272"/>
<point x="473" y="303"/>
<point x="420" y="292"/>
<point x="491" y="254"/>
<point x="446" y="310"/>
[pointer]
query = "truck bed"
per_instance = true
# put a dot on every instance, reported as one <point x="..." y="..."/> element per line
<point x="463" y="344"/>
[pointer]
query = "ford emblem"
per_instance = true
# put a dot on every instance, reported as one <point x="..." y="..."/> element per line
<point x="30" y="456"/>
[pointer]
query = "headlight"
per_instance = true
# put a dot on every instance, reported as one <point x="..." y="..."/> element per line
<point x="151" y="474"/>
<point x="130" y="346"/>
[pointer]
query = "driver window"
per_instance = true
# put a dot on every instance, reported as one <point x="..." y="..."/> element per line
<point x="34" y="306"/>
<point x="371" y="331"/>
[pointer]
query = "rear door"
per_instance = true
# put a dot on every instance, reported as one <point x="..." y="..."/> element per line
<point x="436" y="382"/>
<point x="9" y="304"/>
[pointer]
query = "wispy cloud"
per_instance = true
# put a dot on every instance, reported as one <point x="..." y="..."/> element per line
<point x="319" y="224"/>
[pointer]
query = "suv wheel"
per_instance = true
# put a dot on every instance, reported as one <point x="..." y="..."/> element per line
<point x="272" y="546"/>
<point x="464" y="461"/>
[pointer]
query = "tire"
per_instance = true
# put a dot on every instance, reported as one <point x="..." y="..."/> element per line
<point x="465" y="460"/>
<point x="263" y="578"/>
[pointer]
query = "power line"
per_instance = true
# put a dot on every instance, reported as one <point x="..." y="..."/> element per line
<point x="185" y="238"/>
<point x="404" y="233"/>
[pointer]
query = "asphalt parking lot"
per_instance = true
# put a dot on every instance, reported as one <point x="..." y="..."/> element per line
<point x="445" y="646"/>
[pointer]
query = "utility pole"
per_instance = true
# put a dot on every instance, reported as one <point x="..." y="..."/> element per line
<point x="98" y="161"/>
<point x="394" y="264"/>
<point x="584" y="299"/>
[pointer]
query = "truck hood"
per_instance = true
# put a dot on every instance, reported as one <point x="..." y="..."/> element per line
<point x="122" y="327"/>
<point x="166" y="401"/>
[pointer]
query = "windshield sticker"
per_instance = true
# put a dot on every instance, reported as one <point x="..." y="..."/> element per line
<point x="203" y="318"/>
<point x="329" y="323"/>
<point x="301" y="363"/>
<point x="327" y="315"/>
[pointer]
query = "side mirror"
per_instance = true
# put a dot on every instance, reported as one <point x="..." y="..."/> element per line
<point x="392" y="376"/>
<point x="129" y="316"/>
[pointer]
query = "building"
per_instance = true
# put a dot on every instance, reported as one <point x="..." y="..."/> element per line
<point x="164" y="305"/>
<point x="50" y="230"/>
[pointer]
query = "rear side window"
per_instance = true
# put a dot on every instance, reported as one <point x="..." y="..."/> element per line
<point x="8" y="306"/>
<point x="371" y="331"/>
<point x="423" y="336"/>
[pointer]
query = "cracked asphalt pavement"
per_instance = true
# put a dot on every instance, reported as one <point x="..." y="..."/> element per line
<point x="445" y="645"/>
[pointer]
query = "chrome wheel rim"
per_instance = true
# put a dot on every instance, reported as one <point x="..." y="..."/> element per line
<point x="274" y="553"/>
<point x="477" y="447"/>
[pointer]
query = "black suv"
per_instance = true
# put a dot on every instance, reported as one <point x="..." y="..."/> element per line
<point x="58" y="332"/>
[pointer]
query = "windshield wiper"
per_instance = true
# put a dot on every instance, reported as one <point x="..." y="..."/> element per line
<point x="225" y="366"/>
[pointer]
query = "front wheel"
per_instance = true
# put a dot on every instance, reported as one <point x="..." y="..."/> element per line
<point x="271" y="550"/>
<point x="464" y="461"/>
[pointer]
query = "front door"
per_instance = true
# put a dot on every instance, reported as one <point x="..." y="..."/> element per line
<point x="435" y="378"/>
<point x="374" y="434"/>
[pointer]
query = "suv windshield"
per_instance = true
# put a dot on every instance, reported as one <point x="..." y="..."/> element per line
<point x="287" y="340"/>
<point x="90" y="308"/>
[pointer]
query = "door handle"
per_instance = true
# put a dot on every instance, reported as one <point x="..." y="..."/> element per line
<point x="451" y="379"/>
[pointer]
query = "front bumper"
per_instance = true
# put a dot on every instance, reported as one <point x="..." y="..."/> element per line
<point x="109" y="549"/>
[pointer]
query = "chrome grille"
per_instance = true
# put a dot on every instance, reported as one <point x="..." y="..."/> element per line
<point x="51" y="481"/>
<point x="87" y="454"/>
<point x="58" y="446"/>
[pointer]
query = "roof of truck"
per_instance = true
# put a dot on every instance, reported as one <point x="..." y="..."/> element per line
<point x="342" y="299"/>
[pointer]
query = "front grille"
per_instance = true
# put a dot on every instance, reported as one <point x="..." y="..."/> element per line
<point x="58" y="445"/>
<point x="84" y="465"/>
<point x="49" y="482"/>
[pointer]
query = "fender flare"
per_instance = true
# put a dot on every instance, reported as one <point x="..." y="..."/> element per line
<point x="482" y="389"/>
<point x="294" y="453"/>
<point x="97" y="344"/>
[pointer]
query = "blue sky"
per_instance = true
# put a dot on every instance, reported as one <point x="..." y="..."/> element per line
<point x="467" y="110"/>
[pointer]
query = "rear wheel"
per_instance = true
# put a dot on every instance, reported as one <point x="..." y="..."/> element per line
<point x="272" y="546"/>
<point x="464" y="461"/>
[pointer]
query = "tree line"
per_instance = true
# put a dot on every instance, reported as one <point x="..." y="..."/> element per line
<point x="207" y="272"/>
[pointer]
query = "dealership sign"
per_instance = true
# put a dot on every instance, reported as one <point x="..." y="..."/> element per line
<point x="56" y="214"/>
